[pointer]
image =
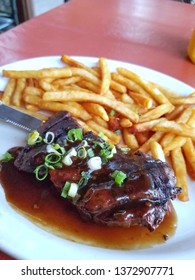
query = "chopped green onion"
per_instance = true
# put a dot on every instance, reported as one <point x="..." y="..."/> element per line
<point x="84" y="143"/>
<point x="119" y="177"/>
<point x="118" y="131"/>
<point x="100" y="144"/>
<point x="72" y="192"/>
<point x="81" y="152"/>
<point x="65" y="189"/>
<point x="90" y="152"/>
<point x="49" y="137"/>
<point x="112" y="113"/>
<point x="85" y="176"/>
<point x="67" y="160"/>
<point x="34" y="138"/>
<point x="108" y="152"/>
<point x="52" y="158"/>
<point x="75" y="134"/>
<point x="41" y="172"/>
<point x="94" y="163"/>
<point x="6" y="157"/>
<point x="69" y="189"/>
<point x="125" y="149"/>
<point x="103" y="136"/>
<point x="56" y="149"/>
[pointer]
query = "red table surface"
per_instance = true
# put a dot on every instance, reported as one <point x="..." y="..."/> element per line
<point x="151" y="33"/>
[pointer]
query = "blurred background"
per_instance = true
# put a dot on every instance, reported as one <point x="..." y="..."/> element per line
<point x="14" y="12"/>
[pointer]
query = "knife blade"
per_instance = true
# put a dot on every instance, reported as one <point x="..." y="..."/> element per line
<point x="18" y="118"/>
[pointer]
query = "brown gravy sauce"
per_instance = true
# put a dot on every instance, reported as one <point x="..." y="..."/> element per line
<point x="40" y="203"/>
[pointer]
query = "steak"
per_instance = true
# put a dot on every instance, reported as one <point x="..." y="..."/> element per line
<point x="105" y="183"/>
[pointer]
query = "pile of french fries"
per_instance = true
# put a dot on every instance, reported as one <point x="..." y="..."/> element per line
<point x="130" y="110"/>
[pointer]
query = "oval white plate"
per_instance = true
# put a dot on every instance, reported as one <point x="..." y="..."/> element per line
<point x="24" y="240"/>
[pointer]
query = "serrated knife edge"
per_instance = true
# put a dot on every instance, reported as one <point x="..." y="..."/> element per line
<point x="18" y="118"/>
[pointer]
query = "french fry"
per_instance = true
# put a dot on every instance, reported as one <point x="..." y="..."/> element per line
<point x="176" y="143"/>
<point x="125" y="98"/>
<point x="88" y="76"/>
<point x="176" y="128"/>
<point x="46" y="84"/>
<point x="189" y="100"/>
<point x="33" y="91"/>
<point x="9" y="90"/>
<point x="96" y="109"/>
<point x="130" y="139"/>
<point x="17" y="95"/>
<point x="74" y="63"/>
<point x="38" y="74"/>
<point x="142" y="100"/>
<point x="152" y="90"/>
<point x="129" y="84"/>
<point x="59" y="83"/>
<point x="106" y="76"/>
<point x="179" y="167"/>
<point x="85" y="97"/>
<point x="124" y="122"/>
<point x="144" y="126"/>
<point x="146" y="146"/>
<point x="189" y="153"/>
<point x="157" y="112"/>
<point x="100" y="121"/>
<point x="166" y="139"/>
<point x="157" y="151"/>
<point x="55" y="106"/>
<point x="98" y="128"/>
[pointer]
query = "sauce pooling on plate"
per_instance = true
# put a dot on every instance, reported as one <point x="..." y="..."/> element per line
<point x="40" y="203"/>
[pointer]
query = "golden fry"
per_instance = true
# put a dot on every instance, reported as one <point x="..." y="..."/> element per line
<point x="189" y="153"/>
<point x="142" y="100"/>
<point x="98" y="128"/>
<point x="85" y="97"/>
<point x="17" y="95"/>
<point x="38" y="74"/>
<point x="179" y="167"/>
<point x="130" y="139"/>
<point x="55" y="106"/>
<point x="157" y="112"/>
<point x="156" y="150"/>
<point x="106" y="76"/>
<point x="152" y="90"/>
<point x="176" y="128"/>
<point x="9" y="90"/>
<point x="145" y="126"/>
<point x="96" y="109"/>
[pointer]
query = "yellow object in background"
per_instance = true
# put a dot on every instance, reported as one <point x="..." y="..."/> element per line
<point x="191" y="47"/>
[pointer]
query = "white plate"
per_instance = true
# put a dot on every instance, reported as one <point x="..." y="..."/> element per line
<point x="24" y="240"/>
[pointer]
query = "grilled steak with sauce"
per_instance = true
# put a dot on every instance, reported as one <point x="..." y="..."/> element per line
<point x="106" y="184"/>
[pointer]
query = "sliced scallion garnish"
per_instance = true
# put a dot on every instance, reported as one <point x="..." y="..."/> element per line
<point x="49" y="137"/>
<point x="65" y="189"/>
<point x="75" y="134"/>
<point x="112" y="112"/>
<point x="34" y="138"/>
<point x="85" y="176"/>
<point x="69" y="189"/>
<point x="81" y="152"/>
<point x="6" y="157"/>
<point x="103" y="136"/>
<point x="52" y="158"/>
<point x="119" y="177"/>
<point x="90" y="152"/>
<point x="41" y="172"/>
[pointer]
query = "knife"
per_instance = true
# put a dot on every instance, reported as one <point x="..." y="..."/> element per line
<point x="18" y="118"/>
